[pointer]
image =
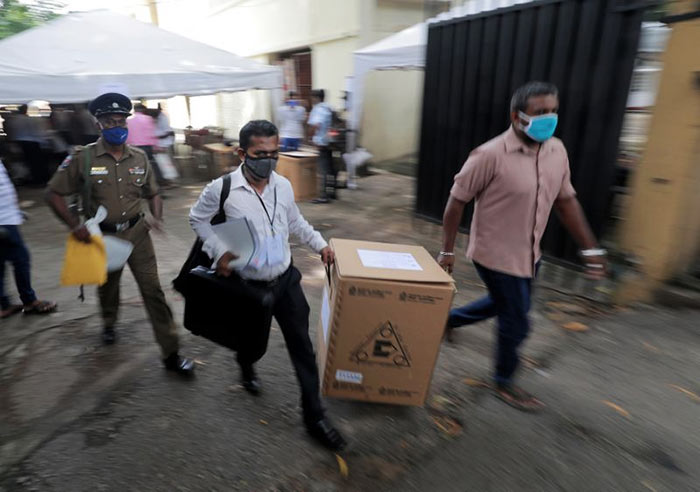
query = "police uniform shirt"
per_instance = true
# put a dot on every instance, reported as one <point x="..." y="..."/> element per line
<point x="244" y="202"/>
<point x="118" y="185"/>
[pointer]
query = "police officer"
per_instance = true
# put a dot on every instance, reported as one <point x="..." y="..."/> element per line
<point x="118" y="176"/>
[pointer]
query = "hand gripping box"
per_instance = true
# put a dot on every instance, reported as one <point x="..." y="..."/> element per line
<point x="383" y="315"/>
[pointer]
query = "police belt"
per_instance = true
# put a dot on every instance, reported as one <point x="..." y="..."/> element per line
<point x="120" y="226"/>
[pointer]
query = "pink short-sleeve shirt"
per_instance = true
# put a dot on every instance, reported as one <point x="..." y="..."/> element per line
<point x="515" y="187"/>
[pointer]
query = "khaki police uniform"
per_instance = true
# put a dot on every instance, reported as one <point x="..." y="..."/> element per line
<point x="120" y="186"/>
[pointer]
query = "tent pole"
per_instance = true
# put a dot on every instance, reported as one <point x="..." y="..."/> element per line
<point x="153" y="7"/>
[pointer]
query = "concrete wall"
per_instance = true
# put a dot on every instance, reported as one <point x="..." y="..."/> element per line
<point x="391" y="118"/>
<point x="279" y="25"/>
<point x="331" y="62"/>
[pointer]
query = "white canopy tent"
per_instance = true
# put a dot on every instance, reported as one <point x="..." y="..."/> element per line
<point x="78" y="56"/>
<point x="406" y="50"/>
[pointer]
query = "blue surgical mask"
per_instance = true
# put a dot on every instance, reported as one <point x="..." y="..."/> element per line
<point x="116" y="135"/>
<point x="539" y="128"/>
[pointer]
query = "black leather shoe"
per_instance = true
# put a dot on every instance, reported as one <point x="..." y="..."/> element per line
<point x="324" y="432"/>
<point x="249" y="381"/>
<point x="181" y="365"/>
<point x="320" y="200"/>
<point x="109" y="336"/>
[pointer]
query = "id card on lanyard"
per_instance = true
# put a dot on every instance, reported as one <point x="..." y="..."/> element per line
<point x="273" y="248"/>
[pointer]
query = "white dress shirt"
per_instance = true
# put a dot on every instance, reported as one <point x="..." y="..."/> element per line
<point x="9" y="209"/>
<point x="243" y="202"/>
<point x="291" y="120"/>
<point x="322" y="116"/>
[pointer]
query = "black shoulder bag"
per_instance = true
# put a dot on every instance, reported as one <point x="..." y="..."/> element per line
<point x="197" y="257"/>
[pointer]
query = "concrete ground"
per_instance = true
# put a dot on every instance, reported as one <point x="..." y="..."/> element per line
<point x="622" y="396"/>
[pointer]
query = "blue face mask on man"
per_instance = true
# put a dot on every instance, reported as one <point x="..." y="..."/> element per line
<point x="116" y="135"/>
<point x="539" y="128"/>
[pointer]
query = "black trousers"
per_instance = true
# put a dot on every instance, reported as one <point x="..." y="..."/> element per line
<point x="327" y="171"/>
<point x="36" y="160"/>
<point x="291" y="311"/>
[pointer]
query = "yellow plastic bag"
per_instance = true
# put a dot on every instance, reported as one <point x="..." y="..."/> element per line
<point x="85" y="263"/>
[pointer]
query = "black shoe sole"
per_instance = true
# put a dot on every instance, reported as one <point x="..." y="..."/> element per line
<point x="253" y="390"/>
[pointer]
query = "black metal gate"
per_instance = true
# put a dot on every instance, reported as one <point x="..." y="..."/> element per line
<point x="474" y="63"/>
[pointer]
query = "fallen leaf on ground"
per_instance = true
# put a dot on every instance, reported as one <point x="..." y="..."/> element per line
<point x="439" y="402"/>
<point x="689" y="393"/>
<point x="263" y="422"/>
<point x="575" y="326"/>
<point x="404" y="445"/>
<point x="448" y="425"/>
<point x="529" y="361"/>
<point x="649" y="346"/>
<point x="617" y="408"/>
<point x="555" y="316"/>
<point x="567" y="307"/>
<point x="648" y="485"/>
<point x="342" y="466"/>
<point x="477" y="383"/>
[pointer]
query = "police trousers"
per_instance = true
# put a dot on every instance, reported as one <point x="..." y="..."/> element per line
<point x="142" y="263"/>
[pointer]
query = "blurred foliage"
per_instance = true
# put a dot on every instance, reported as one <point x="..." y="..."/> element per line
<point x="16" y="17"/>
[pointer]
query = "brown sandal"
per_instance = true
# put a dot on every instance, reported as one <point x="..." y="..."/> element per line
<point x="40" y="307"/>
<point x="10" y="311"/>
<point x="518" y="398"/>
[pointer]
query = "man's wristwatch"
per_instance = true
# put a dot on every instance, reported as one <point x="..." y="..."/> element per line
<point x="446" y="253"/>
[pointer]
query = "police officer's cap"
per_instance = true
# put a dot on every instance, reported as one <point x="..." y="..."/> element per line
<point x="110" y="103"/>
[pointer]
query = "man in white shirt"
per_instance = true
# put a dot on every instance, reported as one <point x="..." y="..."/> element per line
<point x="266" y="200"/>
<point x="164" y="132"/>
<point x="320" y="120"/>
<point x="291" y="118"/>
<point x="13" y="250"/>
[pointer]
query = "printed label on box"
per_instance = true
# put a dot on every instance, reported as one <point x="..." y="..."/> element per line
<point x="348" y="376"/>
<point x="386" y="259"/>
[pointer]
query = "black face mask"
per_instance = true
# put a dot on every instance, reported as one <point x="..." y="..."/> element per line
<point x="260" y="167"/>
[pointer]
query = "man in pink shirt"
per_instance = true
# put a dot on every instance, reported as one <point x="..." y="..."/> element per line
<point x="516" y="179"/>
<point x="142" y="134"/>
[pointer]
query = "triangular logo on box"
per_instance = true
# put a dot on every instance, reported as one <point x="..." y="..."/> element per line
<point x="383" y="346"/>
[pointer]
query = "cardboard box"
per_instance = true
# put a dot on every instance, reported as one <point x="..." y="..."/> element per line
<point x="383" y="316"/>
<point x="223" y="159"/>
<point x="299" y="167"/>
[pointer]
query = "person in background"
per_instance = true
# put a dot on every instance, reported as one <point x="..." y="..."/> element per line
<point x="320" y="120"/>
<point x="83" y="126"/>
<point x="266" y="200"/>
<point x="120" y="179"/>
<point x="291" y="118"/>
<point x="515" y="179"/>
<point x="143" y="134"/>
<point x="30" y="134"/>
<point x="13" y="250"/>
<point x="164" y="132"/>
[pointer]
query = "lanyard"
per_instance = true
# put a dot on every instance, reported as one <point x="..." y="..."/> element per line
<point x="274" y="210"/>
